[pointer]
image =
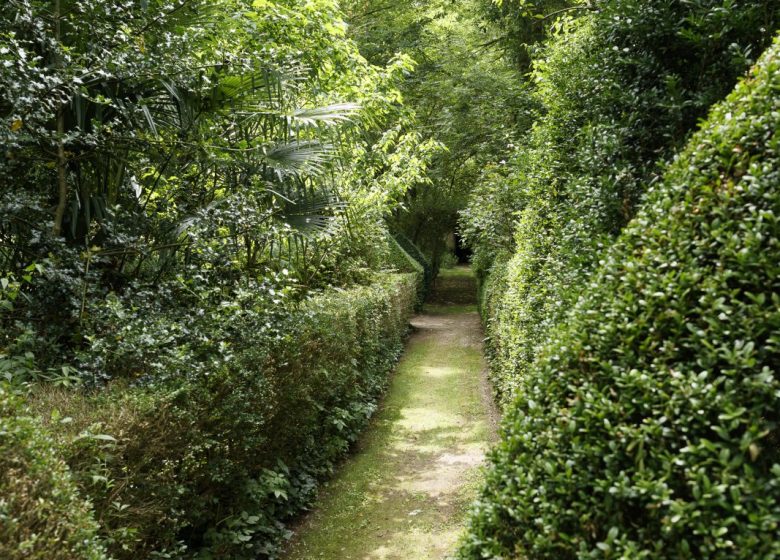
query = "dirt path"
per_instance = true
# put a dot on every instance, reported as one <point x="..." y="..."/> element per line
<point x="405" y="492"/>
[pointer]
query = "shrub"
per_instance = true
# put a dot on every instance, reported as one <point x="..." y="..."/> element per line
<point x="414" y="251"/>
<point x="519" y="314"/>
<point x="214" y="463"/>
<point x="42" y="516"/>
<point x="648" y="426"/>
<point x="401" y="261"/>
<point x="621" y="88"/>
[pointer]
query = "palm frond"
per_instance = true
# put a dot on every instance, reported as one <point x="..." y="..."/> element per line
<point x="297" y="158"/>
<point x="271" y="88"/>
<point x="308" y="210"/>
<point x="328" y="115"/>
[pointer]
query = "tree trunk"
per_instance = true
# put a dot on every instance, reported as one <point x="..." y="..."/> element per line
<point x="62" y="182"/>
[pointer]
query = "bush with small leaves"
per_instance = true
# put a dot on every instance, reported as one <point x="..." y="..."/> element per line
<point x="214" y="461"/>
<point x="648" y="426"/>
<point x="621" y="87"/>
<point x="401" y="261"/>
<point x="42" y="516"/>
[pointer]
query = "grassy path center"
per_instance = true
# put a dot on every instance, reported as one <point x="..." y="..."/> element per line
<point x="405" y="492"/>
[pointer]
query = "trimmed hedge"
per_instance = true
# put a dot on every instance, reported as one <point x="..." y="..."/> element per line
<point x="620" y="88"/>
<point x="401" y="261"/>
<point x="42" y="516"/>
<point x="414" y="251"/>
<point x="215" y="464"/>
<point x="648" y="427"/>
<point x="519" y="314"/>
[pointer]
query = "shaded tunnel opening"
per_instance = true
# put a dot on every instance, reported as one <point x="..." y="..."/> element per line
<point x="462" y="252"/>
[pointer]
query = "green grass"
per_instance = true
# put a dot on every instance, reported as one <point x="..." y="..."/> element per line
<point x="405" y="492"/>
<point x="439" y="309"/>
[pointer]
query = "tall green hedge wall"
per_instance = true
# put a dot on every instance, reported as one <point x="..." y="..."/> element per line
<point x="648" y="425"/>
<point x="621" y="87"/>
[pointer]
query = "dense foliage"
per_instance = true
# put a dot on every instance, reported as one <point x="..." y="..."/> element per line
<point x="627" y="434"/>
<point x="214" y="465"/>
<point x="463" y="93"/>
<point x="197" y="148"/>
<point x="42" y="516"/>
<point x="619" y="88"/>
<point x="218" y="215"/>
<point x="647" y="428"/>
<point x="195" y="266"/>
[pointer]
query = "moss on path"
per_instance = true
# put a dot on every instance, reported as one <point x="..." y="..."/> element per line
<point x="405" y="492"/>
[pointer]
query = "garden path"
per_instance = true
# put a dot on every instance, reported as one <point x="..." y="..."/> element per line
<point x="405" y="492"/>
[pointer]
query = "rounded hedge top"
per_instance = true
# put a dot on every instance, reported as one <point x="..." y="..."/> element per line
<point x="648" y="427"/>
